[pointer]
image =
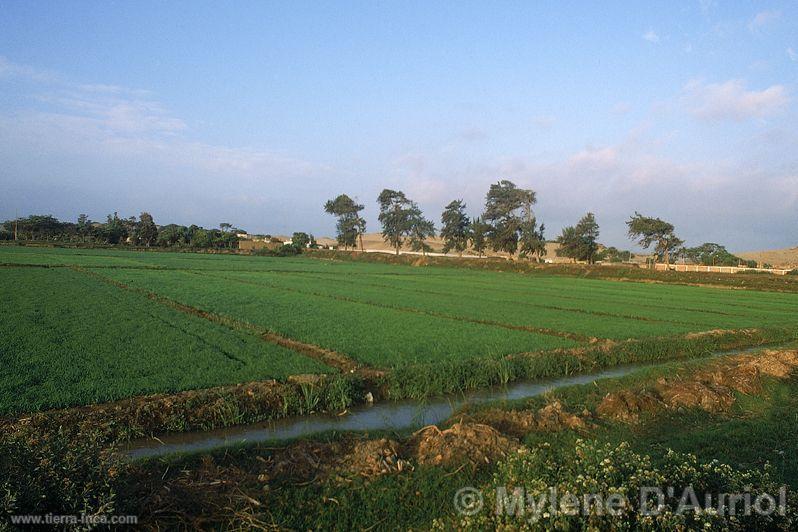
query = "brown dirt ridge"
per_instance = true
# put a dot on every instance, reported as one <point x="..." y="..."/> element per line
<point x="712" y="389"/>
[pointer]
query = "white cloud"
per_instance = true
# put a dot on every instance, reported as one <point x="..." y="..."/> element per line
<point x="763" y="19"/>
<point x="129" y="123"/>
<point x="9" y="69"/>
<point x="651" y="36"/>
<point x="792" y="54"/>
<point x="732" y="101"/>
<point x="595" y="158"/>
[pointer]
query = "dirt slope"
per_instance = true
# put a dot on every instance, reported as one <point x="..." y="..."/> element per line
<point x="779" y="258"/>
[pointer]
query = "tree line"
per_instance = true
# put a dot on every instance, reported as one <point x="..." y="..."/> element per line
<point x="115" y="230"/>
<point x="508" y="225"/>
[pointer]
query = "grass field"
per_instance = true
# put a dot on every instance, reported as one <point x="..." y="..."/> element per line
<point x="70" y="339"/>
<point x="96" y="325"/>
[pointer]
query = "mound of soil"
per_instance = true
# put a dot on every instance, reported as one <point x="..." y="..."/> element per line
<point x="779" y="364"/>
<point x="711" y="390"/>
<point x="627" y="406"/>
<point x="553" y="417"/>
<point x="518" y="423"/>
<point x="463" y="443"/>
<point x="694" y="393"/>
<point x="372" y="458"/>
<point x="306" y="460"/>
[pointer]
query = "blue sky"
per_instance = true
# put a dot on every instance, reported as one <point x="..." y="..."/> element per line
<point x="256" y="113"/>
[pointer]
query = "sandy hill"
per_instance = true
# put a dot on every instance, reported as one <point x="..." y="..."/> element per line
<point x="779" y="258"/>
<point x="374" y="242"/>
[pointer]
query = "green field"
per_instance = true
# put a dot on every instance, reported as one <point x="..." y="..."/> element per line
<point x="83" y="329"/>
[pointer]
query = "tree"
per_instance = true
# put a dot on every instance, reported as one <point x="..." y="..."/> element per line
<point x="580" y="242"/>
<point x="419" y="230"/>
<point x="172" y="235"/>
<point x="200" y="238"/>
<point x="395" y="216"/>
<point x="146" y="230"/>
<point x="115" y="229"/>
<point x="455" y="227"/>
<point x="613" y="254"/>
<point x="588" y="230"/>
<point x="711" y="254"/>
<point x="225" y="227"/>
<point x="301" y="240"/>
<point x="569" y="243"/>
<point x="479" y="231"/>
<point x="506" y="207"/>
<point x="83" y="227"/>
<point x="647" y="231"/>
<point x="350" y="226"/>
<point x="531" y="240"/>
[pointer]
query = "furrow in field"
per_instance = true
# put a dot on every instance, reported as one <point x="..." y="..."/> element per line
<point x="538" y="330"/>
<point x="697" y="297"/>
<point x="380" y="337"/>
<point x="68" y="339"/>
<point x="491" y="290"/>
<point x="494" y="296"/>
<point x="571" y="322"/>
<point x="326" y="356"/>
<point x="618" y="294"/>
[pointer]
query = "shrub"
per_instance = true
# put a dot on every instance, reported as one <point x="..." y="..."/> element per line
<point x="592" y="468"/>
<point x="57" y="472"/>
<point x="286" y="250"/>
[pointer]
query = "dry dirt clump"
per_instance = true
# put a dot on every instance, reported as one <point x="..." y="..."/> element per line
<point x="702" y="334"/>
<point x="553" y="417"/>
<point x="519" y="423"/>
<point x="467" y="443"/>
<point x="373" y="458"/>
<point x="777" y="364"/>
<point x="308" y="460"/>
<point x="711" y="390"/>
<point x="627" y="406"/>
<point x="694" y="393"/>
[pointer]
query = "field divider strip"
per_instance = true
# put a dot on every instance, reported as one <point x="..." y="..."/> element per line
<point x="525" y="328"/>
<point x="327" y="356"/>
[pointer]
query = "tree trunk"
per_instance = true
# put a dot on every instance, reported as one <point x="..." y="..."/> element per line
<point x="360" y="237"/>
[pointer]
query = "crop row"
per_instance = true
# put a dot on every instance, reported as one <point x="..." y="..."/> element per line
<point x="595" y="317"/>
<point x="377" y="336"/>
<point x="67" y="338"/>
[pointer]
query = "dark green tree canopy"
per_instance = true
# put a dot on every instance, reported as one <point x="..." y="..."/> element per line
<point x="300" y="240"/>
<point x="350" y="225"/>
<point x="613" y="254"/>
<point x="531" y="241"/>
<point x="420" y="230"/>
<point x="647" y="231"/>
<point x="711" y="254"/>
<point x="401" y="218"/>
<point x="479" y="235"/>
<point x="146" y="232"/>
<point x="455" y="227"/>
<point x="580" y="242"/>
<point x="506" y="206"/>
